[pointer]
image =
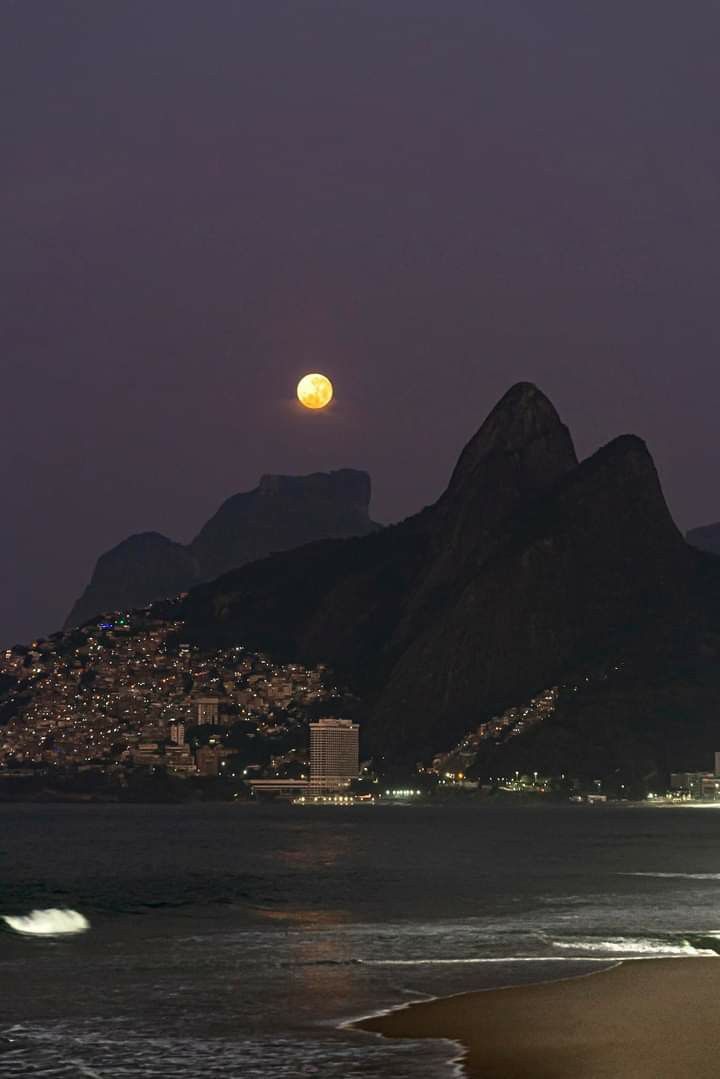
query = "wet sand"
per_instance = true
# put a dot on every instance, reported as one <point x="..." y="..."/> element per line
<point x="647" y="1019"/>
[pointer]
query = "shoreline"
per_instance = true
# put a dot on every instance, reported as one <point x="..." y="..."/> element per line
<point x="649" y="1019"/>
<point x="53" y="796"/>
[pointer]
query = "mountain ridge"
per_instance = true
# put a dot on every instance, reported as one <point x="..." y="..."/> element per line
<point x="280" y="513"/>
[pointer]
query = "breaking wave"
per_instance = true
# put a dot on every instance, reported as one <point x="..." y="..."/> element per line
<point x="479" y="959"/>
<point x="47" y="923"/>
<point x="682" y="876"/>
<point x="634" y="946"/>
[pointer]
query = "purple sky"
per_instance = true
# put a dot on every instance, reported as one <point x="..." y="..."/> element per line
<point x="426" y="199"/>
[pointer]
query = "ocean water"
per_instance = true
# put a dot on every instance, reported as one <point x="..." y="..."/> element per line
<point x="194" y="942"/>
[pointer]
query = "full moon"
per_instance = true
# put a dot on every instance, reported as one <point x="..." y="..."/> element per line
<point x="315" y="391"/>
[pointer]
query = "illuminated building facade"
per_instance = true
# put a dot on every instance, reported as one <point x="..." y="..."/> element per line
<point x="334" y="754"/>
<point x="177" y="733"/>
<point x="206" y="711"/>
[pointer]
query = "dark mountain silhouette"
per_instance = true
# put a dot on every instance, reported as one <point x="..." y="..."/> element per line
<point x="280" y="513"/>
<point x="143" y="567"/>
<point x="529" y="569"/>
<point x="705" y="538"/>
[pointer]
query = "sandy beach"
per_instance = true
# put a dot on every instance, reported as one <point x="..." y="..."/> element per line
<point x="647" y="1019"/>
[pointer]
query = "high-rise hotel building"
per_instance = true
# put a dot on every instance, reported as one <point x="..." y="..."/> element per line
<point x="334" y="754"/>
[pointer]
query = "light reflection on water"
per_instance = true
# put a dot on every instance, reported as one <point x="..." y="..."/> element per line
<point x="329" y="850"/>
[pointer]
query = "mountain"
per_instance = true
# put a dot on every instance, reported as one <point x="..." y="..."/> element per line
<point x="705" y="538"/>
<point x="530" y="570"/>
<point x="280" y="513"/>
<point x="141" y="568"/>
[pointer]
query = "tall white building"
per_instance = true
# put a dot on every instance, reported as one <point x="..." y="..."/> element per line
<point x="334" y="754"/>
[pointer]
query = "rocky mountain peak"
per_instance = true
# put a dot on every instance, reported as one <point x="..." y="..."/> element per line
<point x="142" y="567"/>
<point x="524" y="435"/>
<point x="520" y="451"/>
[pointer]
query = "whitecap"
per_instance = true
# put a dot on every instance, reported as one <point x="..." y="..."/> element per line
<point x="480" y="959"/>
<point x="634" y="946"/>
<point x="48" y="923"/>
<point x="681" y="876"/>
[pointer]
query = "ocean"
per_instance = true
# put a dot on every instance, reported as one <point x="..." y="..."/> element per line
<point x="234" y="941"/>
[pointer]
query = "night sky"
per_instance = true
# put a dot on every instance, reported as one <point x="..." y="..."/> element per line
<point x="426" y="200"/>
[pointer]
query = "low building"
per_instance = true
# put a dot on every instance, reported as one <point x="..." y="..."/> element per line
<point x="209" y="760"/>
<point x="206" y="711"/>
<point x="698" y="786"/>
<point x="179" y="760"/>
<point x="147" y="755"/>
<point x="278" y="788"/>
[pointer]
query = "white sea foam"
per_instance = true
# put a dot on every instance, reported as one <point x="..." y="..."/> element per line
<point x="83" y="1070"/>
<point x="48" y="923"/>
<point x="681" y="876"/>
<point x="633" y="946"/>
<point x="482" y="959"/>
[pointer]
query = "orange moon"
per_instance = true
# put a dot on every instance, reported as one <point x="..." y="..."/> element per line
<point x="315" y="391"/>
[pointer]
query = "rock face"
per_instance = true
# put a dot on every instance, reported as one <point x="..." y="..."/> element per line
<point x="141" y="568"/>
<point x="705" y="538"/>
<point x="529" y="567"/>
<point x="281" y="513"/>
